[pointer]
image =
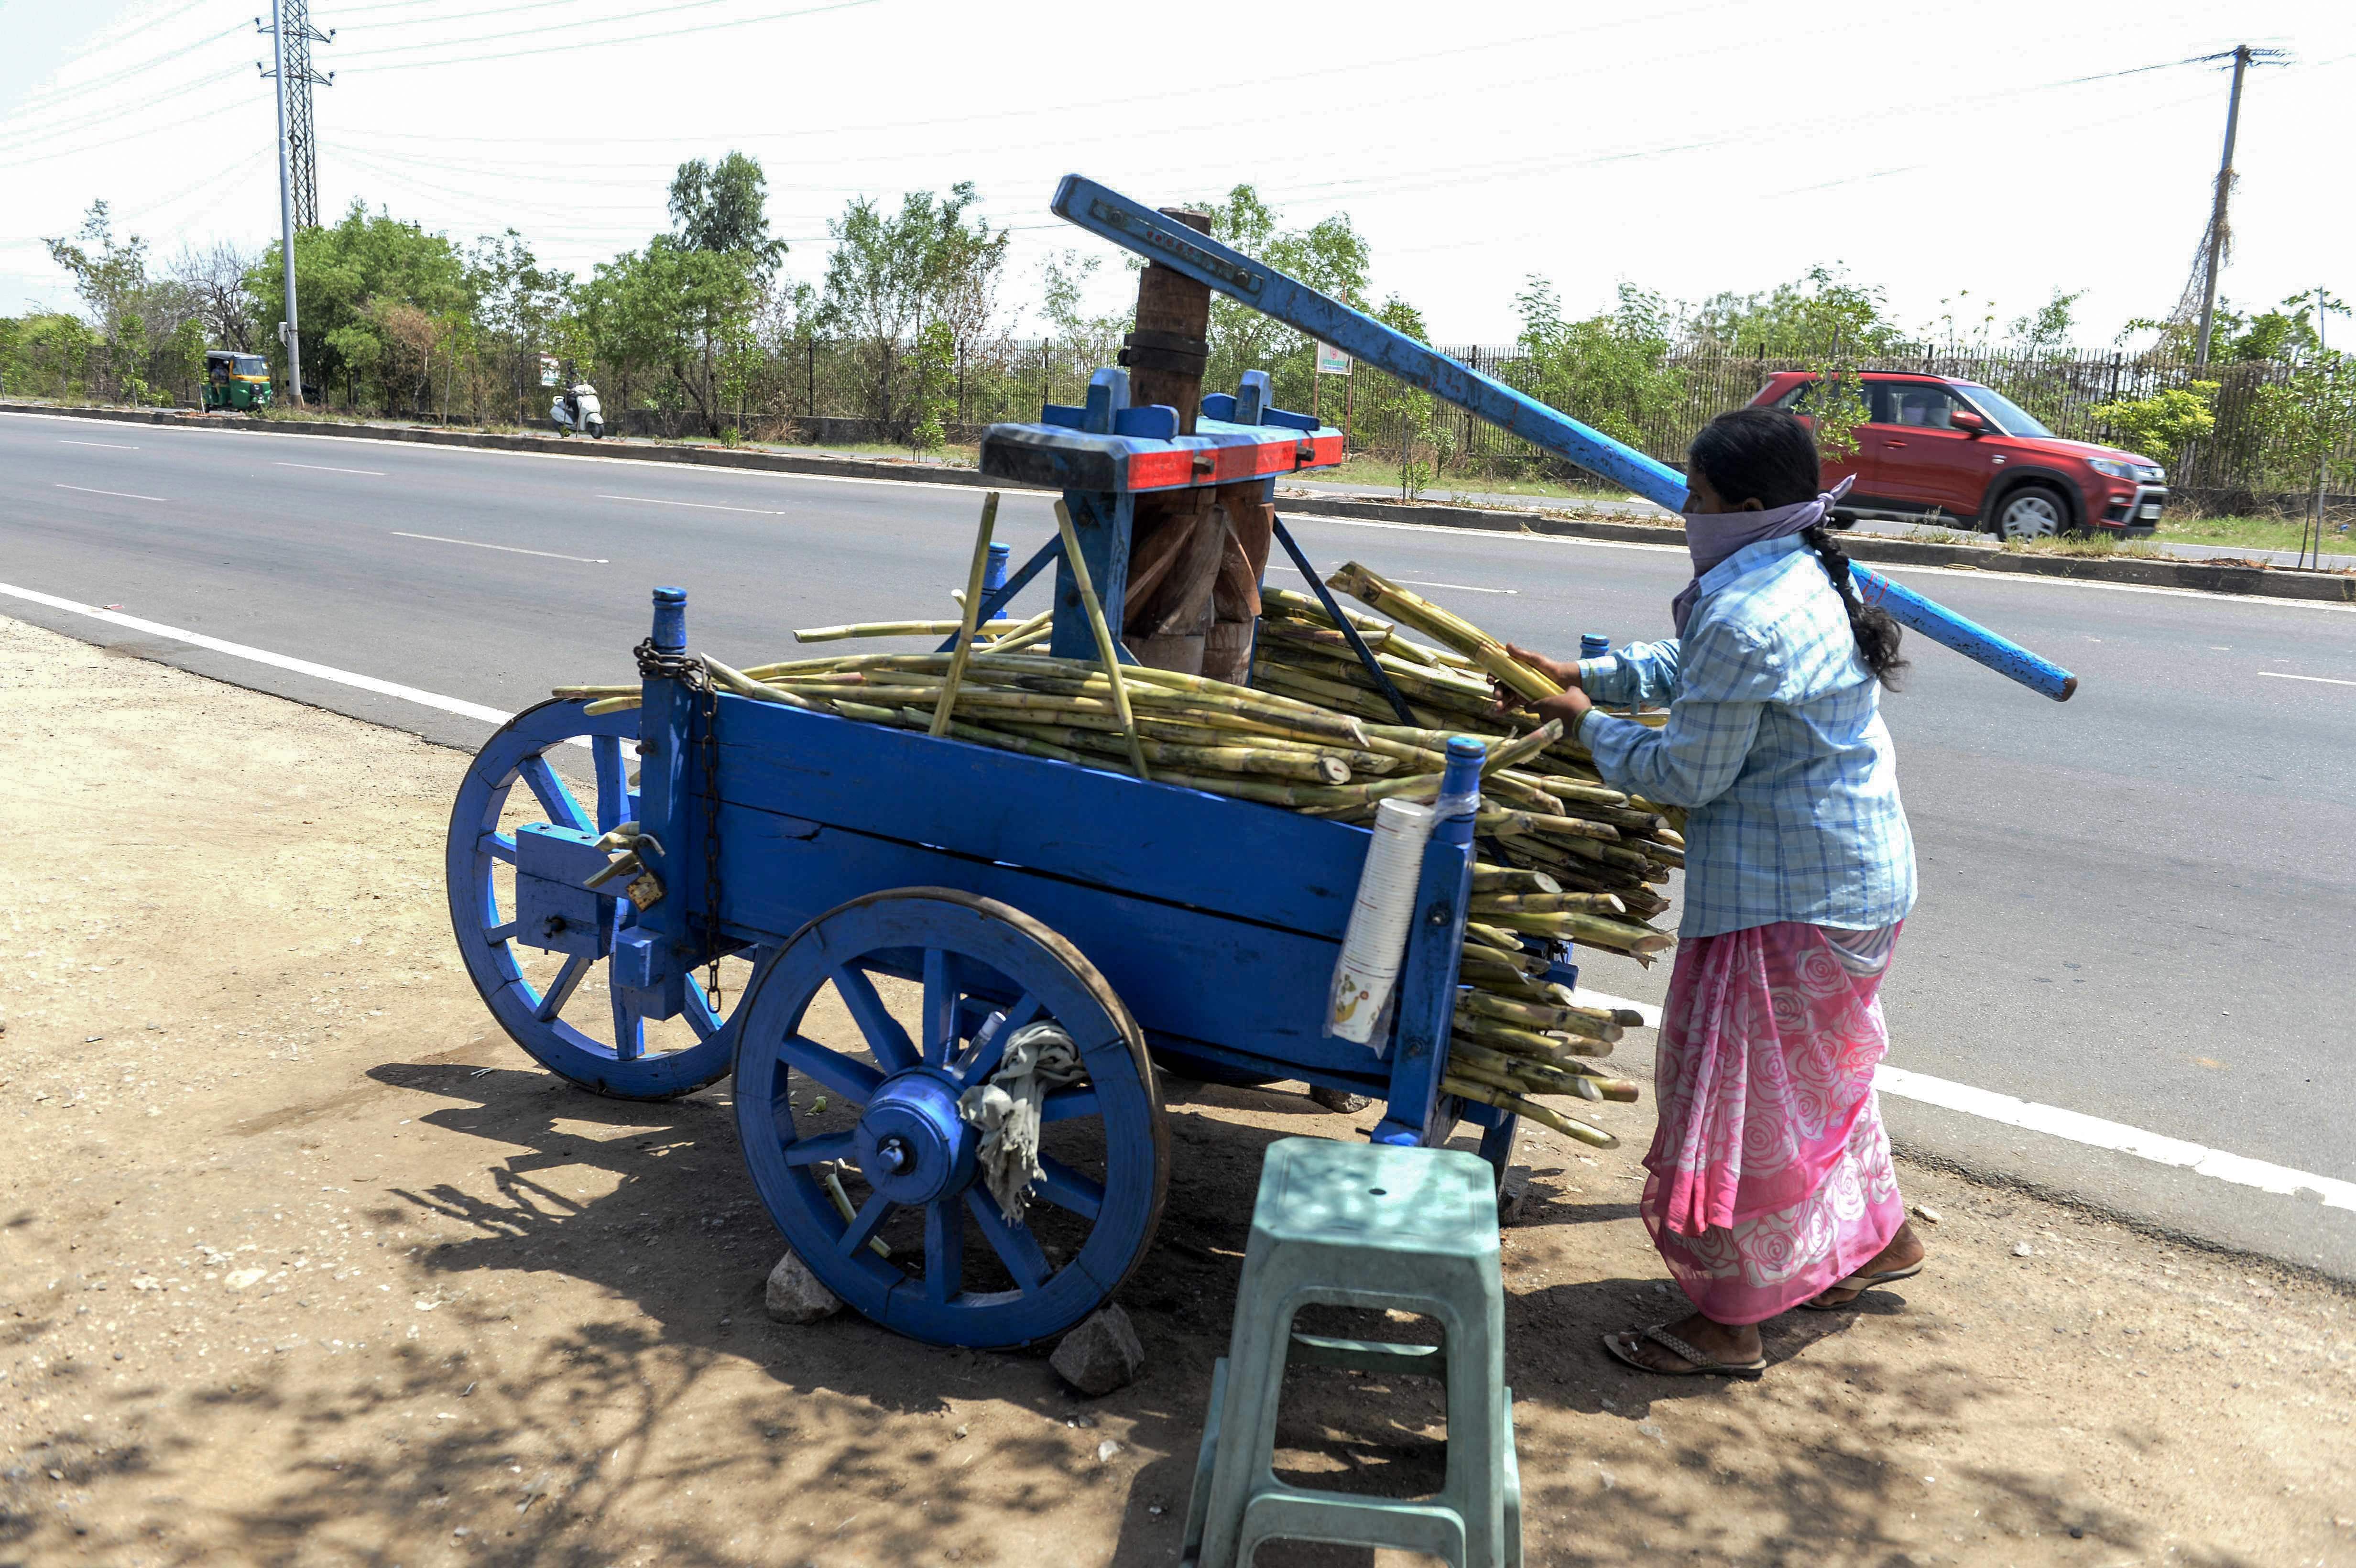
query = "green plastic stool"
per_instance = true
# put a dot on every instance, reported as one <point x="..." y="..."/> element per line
<point x="1371" y="1226"/>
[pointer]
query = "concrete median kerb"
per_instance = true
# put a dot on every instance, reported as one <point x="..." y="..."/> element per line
<point x="2199" y="576"/>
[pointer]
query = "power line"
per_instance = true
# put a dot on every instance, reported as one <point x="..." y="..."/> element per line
<point x="600" y="43"/>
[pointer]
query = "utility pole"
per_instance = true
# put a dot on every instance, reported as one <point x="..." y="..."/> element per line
<point x="298" y="181"/>
<point x="303" y="151"/>
<point x="2213" y="262"/>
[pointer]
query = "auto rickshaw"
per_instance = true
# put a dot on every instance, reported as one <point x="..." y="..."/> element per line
<point x="236" y="381"/>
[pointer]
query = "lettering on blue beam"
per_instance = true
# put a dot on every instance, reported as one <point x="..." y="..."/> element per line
<point x="1156" y="236"/>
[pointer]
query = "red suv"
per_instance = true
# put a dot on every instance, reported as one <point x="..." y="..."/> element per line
<point x="1934" y="448"/>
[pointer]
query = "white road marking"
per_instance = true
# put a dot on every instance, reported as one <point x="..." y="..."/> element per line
<point x="123" y="495"/>
<point x="2073" y="1126"/>
<point x="264" y="657"/>
<point x="2097" y="1133"/>
<point x="697" y="506"/>
<point x="324" y="468"/>
<point x="512" y="549"/>
<point x="110" y="445"/>
<point x="2319" y="679"/>
<point x="1412" y="581"/>
<point x="1457" y="587"/>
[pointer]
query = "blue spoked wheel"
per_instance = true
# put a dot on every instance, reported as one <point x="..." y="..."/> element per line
<point x="556" y="1007"/>
<point x="858" y="1039"/>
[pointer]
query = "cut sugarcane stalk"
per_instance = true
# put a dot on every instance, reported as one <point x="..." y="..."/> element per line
<point x="1378" y="592"/>
<point x="1597" y="1023"/>
<point x="1491" y="904"/>
<point x="900" y="629"/>
<point x="1304" y="767"/>
<point x="963" y="651"/>
<point x="1594" y="1137"/>
<point x="1511" y="879"/>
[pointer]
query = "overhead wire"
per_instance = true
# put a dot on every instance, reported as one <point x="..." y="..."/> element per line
<point x="600" y="43"/>
<point x="43" y="103"/>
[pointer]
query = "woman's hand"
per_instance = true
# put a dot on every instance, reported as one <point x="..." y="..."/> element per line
<point x="1568" y="707"/>
<point x="1563" y="674"/>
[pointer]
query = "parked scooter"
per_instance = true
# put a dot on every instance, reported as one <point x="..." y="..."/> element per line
<point x="577" y="410"/>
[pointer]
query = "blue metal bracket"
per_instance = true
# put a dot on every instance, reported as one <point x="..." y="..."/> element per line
<point x="1138" y="228"/>
<point x="1357" y="644"/>
<point x="998" y="598"/>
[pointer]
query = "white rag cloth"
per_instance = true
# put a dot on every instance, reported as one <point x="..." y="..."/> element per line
<point x="1039" y="1058"/>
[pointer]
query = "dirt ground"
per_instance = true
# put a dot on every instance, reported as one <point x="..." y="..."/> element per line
<point x="303" y="1262"/>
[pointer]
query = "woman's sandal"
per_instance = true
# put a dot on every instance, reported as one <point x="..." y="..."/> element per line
<point x="1697" y="1362"/>
<point x="1861" y="1283"/>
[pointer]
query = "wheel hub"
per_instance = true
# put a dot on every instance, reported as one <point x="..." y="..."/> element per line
<point x="912" y="1145"/>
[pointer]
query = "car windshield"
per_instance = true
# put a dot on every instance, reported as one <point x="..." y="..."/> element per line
<point x="252" y="364"/>
<point x="2009" y="416"/>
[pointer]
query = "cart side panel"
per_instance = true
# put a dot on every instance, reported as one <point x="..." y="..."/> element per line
<point x="1185" y="974"/>
<point x="1176" y="845"/>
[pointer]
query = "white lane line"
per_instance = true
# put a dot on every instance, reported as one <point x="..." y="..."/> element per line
<point x="324" y="468"/>
<point x="697" y="506"/>
<point x="2073" y="1126"/>
<point x="512" y="549"/>
<point x="123" y="495"/>
<point x="2099" y="1134"/>
<point x="264" y="657"/>
<point x="2319" y="680"/>
<point x="110" y="445"/>
<point x="1457" y="587"/>
<point x="1412" y="581"/>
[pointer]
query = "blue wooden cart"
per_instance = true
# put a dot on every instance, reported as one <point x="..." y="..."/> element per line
<point x="853" y="864"/>
<point x="1146" y="920"/>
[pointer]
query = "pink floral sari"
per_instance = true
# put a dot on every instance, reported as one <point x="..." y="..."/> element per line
<point x="1770" y="1177"/>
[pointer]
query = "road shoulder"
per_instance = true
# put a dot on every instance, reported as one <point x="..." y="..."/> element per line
<point x="304" y="1253"/>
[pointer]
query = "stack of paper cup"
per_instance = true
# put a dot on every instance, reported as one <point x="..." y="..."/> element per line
<point x="1376" y="941"/>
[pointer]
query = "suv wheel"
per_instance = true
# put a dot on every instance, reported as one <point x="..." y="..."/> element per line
<point x="2033" y="512"/>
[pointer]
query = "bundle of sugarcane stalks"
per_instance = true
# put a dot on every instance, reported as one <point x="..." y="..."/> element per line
<point x="1558" y="854"/>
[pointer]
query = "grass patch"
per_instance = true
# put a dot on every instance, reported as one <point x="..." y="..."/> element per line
<point x="1384" y="471"/>
<point x="2097" y="545"/>
<point x="2252" y="533"/>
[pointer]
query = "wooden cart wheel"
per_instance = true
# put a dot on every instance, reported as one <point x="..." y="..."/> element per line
<point x="867" y="1121"/>
<point x="604" y="1045"/>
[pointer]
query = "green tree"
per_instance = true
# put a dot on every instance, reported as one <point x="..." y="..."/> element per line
<point x="519" y="309"/>
<point x="1610" y="371"/>
<point x="1817" y="313"/>
<point x="2163" y="424"/>
<point x="347" y="279"/>
<point x="143" y="324"/>
<point x="2310" y="417"/>
<point x="892" y="274"/>
<point x="1330" y="256"/>
<point x="724" y="206"/>
<point x="676" y="311"/>
<point x="2046" y="330"/>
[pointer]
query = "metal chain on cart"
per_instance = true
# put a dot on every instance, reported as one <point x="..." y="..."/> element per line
<point x="690" y="671"/>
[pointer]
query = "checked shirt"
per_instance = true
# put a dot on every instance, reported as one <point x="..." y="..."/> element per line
<point x="1774" y="745"/>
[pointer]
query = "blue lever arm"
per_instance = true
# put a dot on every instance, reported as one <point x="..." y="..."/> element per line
<point x="1106" y="212"/>
<point x="1967" y="637"/>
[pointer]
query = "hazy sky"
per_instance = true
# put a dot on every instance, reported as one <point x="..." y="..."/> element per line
<point x="1686" y="145"/>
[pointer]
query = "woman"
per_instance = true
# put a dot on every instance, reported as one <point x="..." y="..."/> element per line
<point x="1771" y="1184"/>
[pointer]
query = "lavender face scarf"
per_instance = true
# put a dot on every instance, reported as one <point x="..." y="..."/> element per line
<point x="1712" y="536"/>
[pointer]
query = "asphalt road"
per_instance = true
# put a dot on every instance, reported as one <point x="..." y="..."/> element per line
<point x="2140" y="905"/>
<point x="2336" y="551"/>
